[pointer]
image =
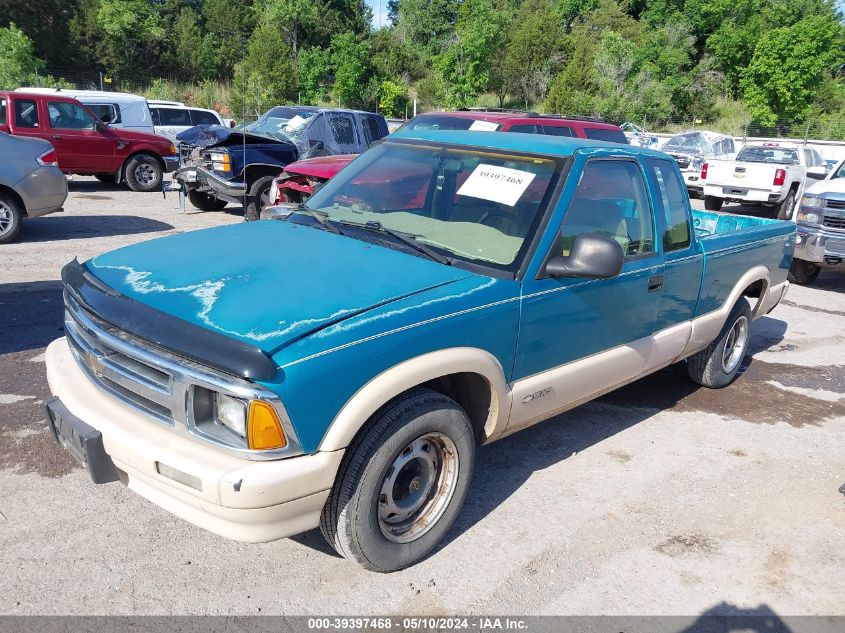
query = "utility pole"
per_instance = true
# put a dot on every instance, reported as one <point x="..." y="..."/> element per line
<point x="101" y="82"/>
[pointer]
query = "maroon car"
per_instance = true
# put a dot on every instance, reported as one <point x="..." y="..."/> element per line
<point x="297" y="182"/>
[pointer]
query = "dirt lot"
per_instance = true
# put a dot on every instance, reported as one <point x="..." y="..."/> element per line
<point x="658" y="499"/>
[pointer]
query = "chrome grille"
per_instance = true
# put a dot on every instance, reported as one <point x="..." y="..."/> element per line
<point x="834" y="222"/>
<point x="110" y="363"/>
<point x="163" y="386"/>
<point x="835" y="204"/>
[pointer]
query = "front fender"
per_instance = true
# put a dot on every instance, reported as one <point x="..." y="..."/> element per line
<point x="415" y="371"/>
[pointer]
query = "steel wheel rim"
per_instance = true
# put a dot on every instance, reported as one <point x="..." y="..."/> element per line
<point x="418" y="487"/>
<point x="734" y="349"/>
<point x="145" y="174"/>
<point x="6" y="220"/>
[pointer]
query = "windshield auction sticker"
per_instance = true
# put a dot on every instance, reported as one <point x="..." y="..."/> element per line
<point x="483" y="126"/>
<point x="497" y="184"/>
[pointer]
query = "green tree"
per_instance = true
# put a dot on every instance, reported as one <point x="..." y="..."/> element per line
<point x="789" y="65"/>
<point x="18" y="63"/>
<point x="352" y="72"/>
<point x="393" y="99"/>
<point x="313" y="68"/>
<point x="468" y="66"/>
<point x="533" y="50"/>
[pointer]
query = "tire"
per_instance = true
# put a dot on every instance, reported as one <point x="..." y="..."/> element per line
<point x="717" y="365"/>
<point x="787" y="207"/>
<point x="108" y="179"/>
<point x="803" y="272"/>
<point x="357" y="521"/>
<point x="712" y="203"/>
<point x="143" y="173"/>
<point x="257" y="198"/>
<point x="205" y="202"/>
<point x="11" y="218"/>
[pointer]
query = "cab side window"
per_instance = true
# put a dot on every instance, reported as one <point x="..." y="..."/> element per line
<point x="611" y="200"/>
<point x="673" y="202"/>
<point x="26" y="113"/>
<point x="68" y="116"/>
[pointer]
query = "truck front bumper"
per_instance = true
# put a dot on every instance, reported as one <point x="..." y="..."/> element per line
<point x="203" y="180"/>
<point x="819" y="246"/>
<point x="240" y="499"/>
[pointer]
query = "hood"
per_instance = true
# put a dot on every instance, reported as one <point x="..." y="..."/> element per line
<point x="132" y="135"/>
<point x="208" y="135"/>
<point x="321" y="167"/>
<point x="835" y="187"/>
<point x="678" y="149"/>
<point x="266" y="283"/>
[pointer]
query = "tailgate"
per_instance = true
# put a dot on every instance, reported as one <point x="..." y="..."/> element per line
<point x="735" y="174"/>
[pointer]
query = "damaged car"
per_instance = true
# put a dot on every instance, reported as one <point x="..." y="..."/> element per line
<point x="692" y="149"/>
<point x="220" y="165"/>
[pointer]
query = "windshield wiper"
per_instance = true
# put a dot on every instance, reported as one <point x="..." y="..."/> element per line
<point x="321" y="217"/>
<point x="406" y="239"/>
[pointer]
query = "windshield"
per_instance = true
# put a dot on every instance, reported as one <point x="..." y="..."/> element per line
<point x="282" y="124"/>
<point x="440" y="122"/>
<point x="469" y="204"/>
<point x="691" y="141"/>
<point x="762" y="154"/>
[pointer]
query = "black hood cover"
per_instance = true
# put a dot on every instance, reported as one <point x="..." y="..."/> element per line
<point x="208" y="135"/>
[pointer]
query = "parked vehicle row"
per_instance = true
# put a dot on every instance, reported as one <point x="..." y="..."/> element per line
<point x="85" y="145"/>
<point x="452" y="287"/>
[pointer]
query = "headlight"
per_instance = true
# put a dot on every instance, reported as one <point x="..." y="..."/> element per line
<point x="220" y="161"/>
<point x="231" y="413"/>
<point x="808" y="217"/>
<point x="274" y="192"/>
<point x="813" y="202"/>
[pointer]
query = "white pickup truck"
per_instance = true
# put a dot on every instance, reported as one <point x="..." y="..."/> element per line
<point x="769" y="174"/>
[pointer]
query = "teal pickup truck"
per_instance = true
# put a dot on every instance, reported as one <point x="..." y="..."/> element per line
<point x="339" y="366"/>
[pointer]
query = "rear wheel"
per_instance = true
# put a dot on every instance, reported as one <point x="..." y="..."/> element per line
<point x="144" y="173"/>
<point x="717" y="365"/>
<point x="786" y="207"/>
<point x="109" y="179"/>
<point x="401" y="483"/>
<point x="803" y="272"/>
<point x="11" y="219"/>
<point x="205" y="202"/>
<point x="712" y="203"/>
<point x="258" y="198"/>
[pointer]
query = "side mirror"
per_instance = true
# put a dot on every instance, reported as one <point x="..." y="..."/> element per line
<point x="817" y="173"/>
<point x="314" y="148"/>
<point x="592" y="256"/>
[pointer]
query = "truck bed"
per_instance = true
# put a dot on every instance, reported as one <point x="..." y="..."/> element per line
<point x="734" y="244"/>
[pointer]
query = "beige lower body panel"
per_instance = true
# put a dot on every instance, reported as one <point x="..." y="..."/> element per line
<point x="241" y="499"/>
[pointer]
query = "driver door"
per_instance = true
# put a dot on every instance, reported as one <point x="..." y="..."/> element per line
<point x="581" y="337"/>
<point x="79" y="145"/>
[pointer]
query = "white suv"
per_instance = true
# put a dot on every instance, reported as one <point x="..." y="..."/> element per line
<point x="172" y="117"/>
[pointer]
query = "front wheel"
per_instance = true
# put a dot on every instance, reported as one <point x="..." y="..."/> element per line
<point x="258" y="198"/>
<point x="401" y="483"/>
<point x="803" y="272"/>
<point x="205" y="202"/>
<point x="786" y="207"/>
<point x="718" y="364"/>
<point x="712" y="203"/>
<point x="144" y="173"/>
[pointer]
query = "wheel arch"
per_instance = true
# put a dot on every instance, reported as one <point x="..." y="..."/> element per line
<point x="470" y="376"/>
<point x="15" y="196"/>
<point x="141" y="152"/>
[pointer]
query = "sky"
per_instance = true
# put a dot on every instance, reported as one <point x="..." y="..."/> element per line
<point x="375" y="5"/>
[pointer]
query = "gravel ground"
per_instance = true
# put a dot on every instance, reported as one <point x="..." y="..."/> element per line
<point x="661" y="498"/>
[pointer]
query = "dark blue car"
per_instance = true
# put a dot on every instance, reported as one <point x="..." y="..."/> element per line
<point x="221" y="165"/>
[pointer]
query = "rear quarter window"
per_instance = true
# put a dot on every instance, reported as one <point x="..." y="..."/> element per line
<point x="602" y="134"/>
<point x="201" y="117"/>
<point x="2" y="112"/>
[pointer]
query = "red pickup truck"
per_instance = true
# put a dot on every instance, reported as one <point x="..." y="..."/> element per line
<point x="85" y="145"/>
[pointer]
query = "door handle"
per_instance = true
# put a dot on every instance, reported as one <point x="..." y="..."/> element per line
<point x="655" y="283"/>
<point x="57" y="136"/>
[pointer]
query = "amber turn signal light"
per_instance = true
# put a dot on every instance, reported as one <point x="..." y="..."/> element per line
<point x="264" y="428"/>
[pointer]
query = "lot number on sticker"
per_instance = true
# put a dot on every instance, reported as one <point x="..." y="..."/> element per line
<point x="484" y="126"/>
<point x="497" y="184"/>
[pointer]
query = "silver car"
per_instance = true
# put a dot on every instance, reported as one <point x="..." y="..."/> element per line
<point x="31" y="184"/>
